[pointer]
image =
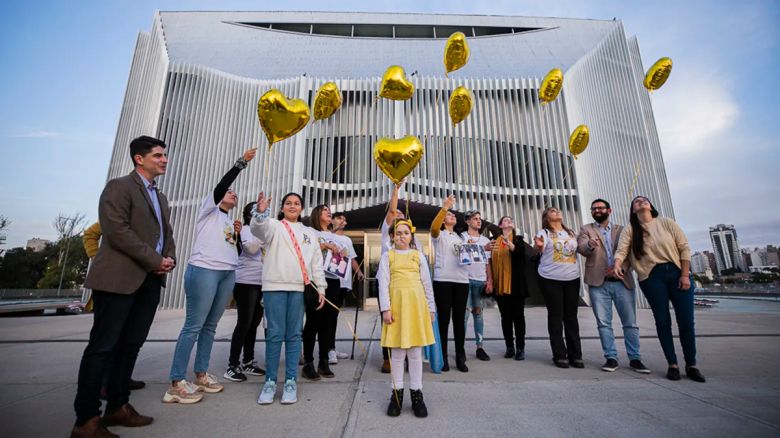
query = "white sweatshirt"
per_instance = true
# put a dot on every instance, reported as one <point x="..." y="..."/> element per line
<point x="281" y="269"/>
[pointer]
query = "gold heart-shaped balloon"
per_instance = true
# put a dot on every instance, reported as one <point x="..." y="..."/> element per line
<point x="456" y="52"/>
<point x="579" y="140"/>
<point x="551" y="85"/>
<point x="395" y="86"/>
<point x="328" y="101"/>
<point x="461" y="103"/>
<point x="281" y="117"/>
<point x="397" y="158"/>
<point x="658" y="74"/>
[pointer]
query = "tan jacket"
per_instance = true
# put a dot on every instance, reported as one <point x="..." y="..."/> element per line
<point x="596" y="262"/>
<point x="130" y="234"/>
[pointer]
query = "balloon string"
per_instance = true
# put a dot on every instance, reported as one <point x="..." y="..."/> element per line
<point x="633" y="183"/>
<point x="351" y="329"/>
<point x="338" y="165"/>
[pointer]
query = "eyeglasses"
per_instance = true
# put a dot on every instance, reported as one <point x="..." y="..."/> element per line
<point x="641" y="200"/>
<point x="598" y="208"/>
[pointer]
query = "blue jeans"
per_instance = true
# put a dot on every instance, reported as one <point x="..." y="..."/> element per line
<point x="475" y="304"/>
<point x="660" y="288"/>
<point x="284" y="315"/>
<point x="208" y="292"/>
<point x="601" y="299"/>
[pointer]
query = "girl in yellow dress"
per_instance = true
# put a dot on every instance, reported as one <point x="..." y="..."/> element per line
<point x="408" y="309"/>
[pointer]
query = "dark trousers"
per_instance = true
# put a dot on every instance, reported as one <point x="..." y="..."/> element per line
<point x="249" y="310"/>
<point x="562" y="299"/>
<point x="120" y="327"/>
<point x="451" y="303"/>
<point x="660" y="288"/>
<point x="319" y="325"/>
<point x="512" y="310"/>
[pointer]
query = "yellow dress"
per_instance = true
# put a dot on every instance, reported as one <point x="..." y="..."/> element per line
<point x="412" y="320"/>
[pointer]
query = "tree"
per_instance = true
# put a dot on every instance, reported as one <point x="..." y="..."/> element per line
<point x="23" y="268"/>
<point x="66" y="228"/>
<point x="4" y="223"/>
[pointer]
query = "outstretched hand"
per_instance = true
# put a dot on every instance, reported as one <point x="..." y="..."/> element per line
<point x="449" y="202"/>
<point x="249" y="154"/>
<point x="262" y="202"/>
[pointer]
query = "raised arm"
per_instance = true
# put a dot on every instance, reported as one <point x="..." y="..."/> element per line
<point x="231" y="175"/>
<point x="260" y="225"/>
<point x="439" y="219"/>
<point x="392" y="207"/>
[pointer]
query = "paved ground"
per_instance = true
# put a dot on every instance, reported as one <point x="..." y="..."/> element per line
<point x="738" y="344"/>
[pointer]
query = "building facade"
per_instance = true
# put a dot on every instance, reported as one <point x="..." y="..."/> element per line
<point x="726" y="248"/>
<point x="196" y="78"/>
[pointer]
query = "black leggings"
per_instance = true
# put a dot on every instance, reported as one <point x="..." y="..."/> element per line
<point x="451" y="301"/>
<point x="512" y="310"/>
<point x="249" y="308"/>
<point x="320" y="324"/>
<point x="562" y="299"/>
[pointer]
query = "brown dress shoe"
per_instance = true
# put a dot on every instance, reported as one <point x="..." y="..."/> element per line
<point x="127" y="416"/>
<point x="92" y="429"/>
<point x="386" y="366"/>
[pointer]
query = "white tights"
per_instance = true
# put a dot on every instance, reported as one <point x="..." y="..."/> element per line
<point x="397" y="356"/>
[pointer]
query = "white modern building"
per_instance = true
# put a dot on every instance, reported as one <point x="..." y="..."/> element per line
<point x="700" y="265"/>
<point x="726" y="248"/>
<point x="196" y="78"/>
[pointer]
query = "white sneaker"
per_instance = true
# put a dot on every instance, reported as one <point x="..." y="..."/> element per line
<point x="341" y="355"/>
<point x="290" y="392"/>
<point x="332" y="358"/>
<point x="267" y="394"/>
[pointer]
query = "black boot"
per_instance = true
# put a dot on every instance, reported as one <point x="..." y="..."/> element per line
<point x="460" y="364"/>
<point x="418" y="404"/>
<point x="510" y="352"/>
<point x="396" y="402"/>
<point x="308" y="371"/>
<point x="445" y="366"/>
<point x="324" y="370"/>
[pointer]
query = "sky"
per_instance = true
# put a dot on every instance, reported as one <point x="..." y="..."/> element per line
<point x="65" y="66"/>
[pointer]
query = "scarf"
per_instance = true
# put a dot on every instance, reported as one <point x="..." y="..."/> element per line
<point x="501" y="267"/>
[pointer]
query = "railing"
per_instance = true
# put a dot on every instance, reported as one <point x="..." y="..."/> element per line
<point x="17" y="294"/>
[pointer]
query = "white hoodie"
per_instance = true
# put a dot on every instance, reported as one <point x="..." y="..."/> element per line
<point x="281" y="269"/>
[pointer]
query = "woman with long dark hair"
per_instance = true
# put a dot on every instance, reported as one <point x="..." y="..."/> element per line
<point x="560" y="281"/>
<point x="658" y="251"/>
<point x="208" y="283"/>
<point x="507" y="264"/>
<point x="320" y="324"/>
<point x="248" y="294"/>
<point x="292" y="260"/>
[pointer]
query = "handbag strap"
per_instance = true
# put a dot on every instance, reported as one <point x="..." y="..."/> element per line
<point x="298" y="252"/>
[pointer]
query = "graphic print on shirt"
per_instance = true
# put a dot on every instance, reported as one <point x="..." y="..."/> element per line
<point x="564" y="250"/>
<point x="230" y="238"/>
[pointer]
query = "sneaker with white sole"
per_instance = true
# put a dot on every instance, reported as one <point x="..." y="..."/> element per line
<point x="342" y="355"/>
<point x="208" y="383"/>
<point x="252" y="369"/>
<point x="184" y="392"/>
<point x="234" y="374"/>
<point x="290" y="392"/>
<point x="267" y="394"/>
<point x="332" y="357"/>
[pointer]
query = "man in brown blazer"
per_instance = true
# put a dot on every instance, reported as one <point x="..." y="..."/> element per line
<point x="126" y="276"/>
<point x="597" y="242"/>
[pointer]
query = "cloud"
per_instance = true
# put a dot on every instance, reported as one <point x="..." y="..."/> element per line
<point x="693" y="116"/>
<point x="36" y="134"/>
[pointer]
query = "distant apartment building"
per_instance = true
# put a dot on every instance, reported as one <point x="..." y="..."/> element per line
<point x="726" y="248"/>
<point x="700" y="265"/>
<point x="37" y="244"/>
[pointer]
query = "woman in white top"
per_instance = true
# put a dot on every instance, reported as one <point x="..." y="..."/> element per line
<point x="319" y="323"/>
<point x="208" y="283"/>
<point x="292" y="260"/>
<point x="560" y="281"/>
<point x="248" y="294"/>
<point x="450" y="283"/>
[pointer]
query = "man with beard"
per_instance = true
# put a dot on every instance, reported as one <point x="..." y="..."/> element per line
<point x="597" y="242"/>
